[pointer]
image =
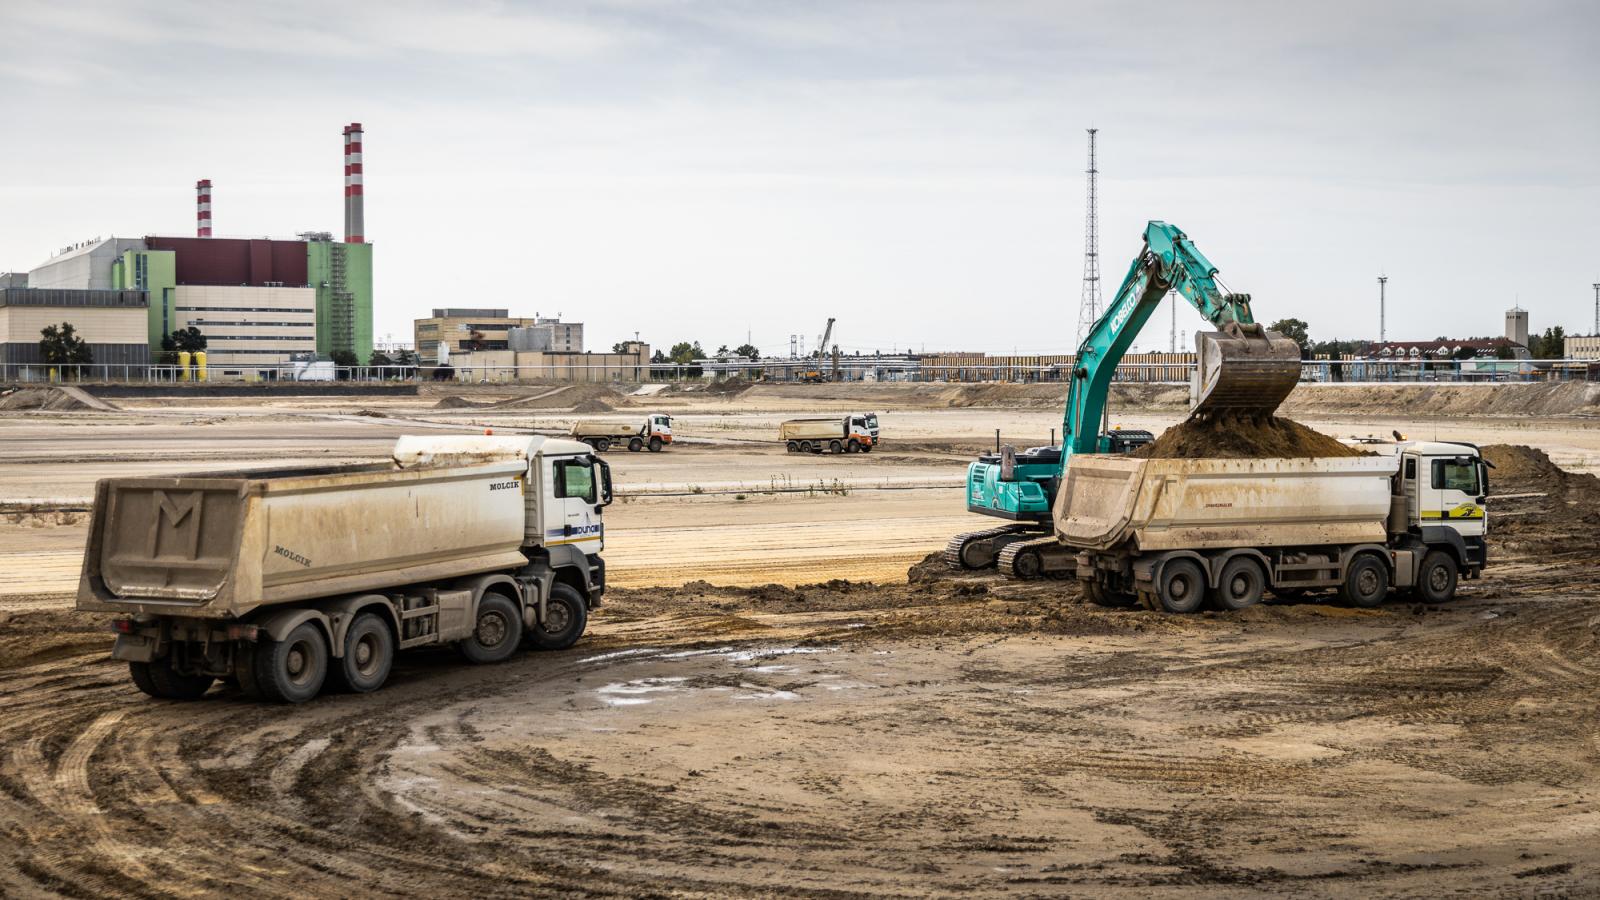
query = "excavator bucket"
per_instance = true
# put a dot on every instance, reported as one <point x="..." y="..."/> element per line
<point x="1243" y="369"/>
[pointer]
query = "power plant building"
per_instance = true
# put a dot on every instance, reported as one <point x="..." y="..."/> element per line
<point x="259" y="302"/>
<point x="112" y="323"/>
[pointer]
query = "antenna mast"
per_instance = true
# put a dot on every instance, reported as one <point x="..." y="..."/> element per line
<point x="1089" y="306"/>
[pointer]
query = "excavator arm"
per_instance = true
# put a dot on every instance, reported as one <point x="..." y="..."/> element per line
<point x="1243" y="367"/>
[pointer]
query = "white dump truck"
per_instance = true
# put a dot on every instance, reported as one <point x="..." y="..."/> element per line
<point x="652" y="435"/>
<point x="1174" y="533"/>
<point x="855" y="433"/>
<point x="287" y="579"/>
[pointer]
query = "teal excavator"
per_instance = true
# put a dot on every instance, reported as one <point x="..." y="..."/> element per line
<point x="1242" y="369"/>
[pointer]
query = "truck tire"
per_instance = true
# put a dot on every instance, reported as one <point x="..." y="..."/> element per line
<point x="368" y="655"/>
<point x="1182" y="586"/>
<point x="602" y="444"/>
<point x="294" y="669"/>
<point x="497" y="633"/>
<point x="635" y="445"/>
<point x="1437" y="578"/>
<point x="1366" y="582"/>
<point x="655" y="445"/>
<point x="805" y="446"/>
<point x="854" y="447"/>
<point x="566" y="616"/>
<point x="866" y="448"/>
<point x="792" y="447"/>
<point x="835" y="447"/>
<point x="157" y="679"/>
<point x="1241" y="584"/>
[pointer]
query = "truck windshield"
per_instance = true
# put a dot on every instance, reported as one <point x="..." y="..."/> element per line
<point x="575" y="479"/>
<point x="872" y="421"/>
<point x="1451" y="475"/>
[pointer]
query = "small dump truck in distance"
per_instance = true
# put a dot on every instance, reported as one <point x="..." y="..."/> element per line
<point x="653" y="434"/>
<point x="287" y="579"/>
<point x="854" y="433"/>
<point x="1176" y="533"/>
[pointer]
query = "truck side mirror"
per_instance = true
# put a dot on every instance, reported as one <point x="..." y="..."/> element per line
<point x="605" y="484"/>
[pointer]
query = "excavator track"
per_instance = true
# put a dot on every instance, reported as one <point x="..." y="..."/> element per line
<point x="961" y="548"/>
<point x="1041" y="557"/>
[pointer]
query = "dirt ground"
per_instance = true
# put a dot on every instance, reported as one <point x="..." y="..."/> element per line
<point x="714" y="735"/>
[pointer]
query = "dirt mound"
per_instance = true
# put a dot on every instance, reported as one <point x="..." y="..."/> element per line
<point x="1243" y="437"/>
<point x="593" y="405"/>
<point x="1516" y="462"/>
<point x="454" y="402"/>
<point x="728" y="387"/>
<point x="53" y="399"/>
<point x="1411" y="400"/>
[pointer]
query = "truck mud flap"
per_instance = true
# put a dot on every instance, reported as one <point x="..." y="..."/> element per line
<point x="134" y="648"/>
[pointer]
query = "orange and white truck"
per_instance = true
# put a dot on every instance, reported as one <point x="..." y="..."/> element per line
<point x="654" y="434"/>
<point x="854" y="433"/>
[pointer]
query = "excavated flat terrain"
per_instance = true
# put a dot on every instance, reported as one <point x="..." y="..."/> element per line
<point x="715" y="736"/>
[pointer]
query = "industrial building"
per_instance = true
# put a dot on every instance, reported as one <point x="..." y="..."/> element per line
<point x="1579" y="346"/>
<point x="258" y="301"/>
<point x="466" y="330"/>
<point x="111" y="322"/>
<point x="631" y="366"/>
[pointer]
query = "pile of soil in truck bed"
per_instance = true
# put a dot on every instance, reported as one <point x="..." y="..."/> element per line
<point x="1243" y="437"/>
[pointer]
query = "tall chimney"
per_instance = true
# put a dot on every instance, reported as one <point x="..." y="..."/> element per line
<point x="202" y="209"/>
<point x="354" y="217"/>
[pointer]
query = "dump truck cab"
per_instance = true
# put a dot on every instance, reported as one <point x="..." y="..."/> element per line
<point x="1444" y="489"/>
<point x="659" y="425"/>
<point x="863" y="429"/>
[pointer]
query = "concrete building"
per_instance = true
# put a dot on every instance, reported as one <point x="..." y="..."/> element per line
<point x="548" y="335"/>
<point x="538" y="365"/>
<point x="249" y="326"/>
<point x="1580" y="346"/>
<point x="464" y="330"/>
<point x="112" y="322"/>
<point x="1517" y="326"/>
<point x="13" y="280"/>
<point x="83" y="267"/>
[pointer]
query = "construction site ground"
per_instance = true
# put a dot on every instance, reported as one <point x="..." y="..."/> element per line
<point x="748" y="715"/>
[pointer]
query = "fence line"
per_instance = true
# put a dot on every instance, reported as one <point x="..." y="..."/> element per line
<point x="1312" y="371"/>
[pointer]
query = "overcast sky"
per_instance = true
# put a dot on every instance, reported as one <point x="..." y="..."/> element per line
<point x="692" y="170"/>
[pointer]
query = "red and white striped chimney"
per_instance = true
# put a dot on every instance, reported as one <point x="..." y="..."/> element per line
<point x="354" y="213"/>
<point x="202" y="208"/>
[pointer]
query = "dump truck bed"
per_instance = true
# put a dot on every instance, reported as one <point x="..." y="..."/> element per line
<point x="1170" y="504"/>
<point x="812" y="429"/>
<point x="220" y="545"/>
<point x="594" y="429"/>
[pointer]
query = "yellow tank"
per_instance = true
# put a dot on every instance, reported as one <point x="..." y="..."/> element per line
<point x="199" y="365"/>
<point x="183" y="365"/>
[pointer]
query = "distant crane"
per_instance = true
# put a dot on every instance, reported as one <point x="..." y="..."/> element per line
<point x="815" y="374"/>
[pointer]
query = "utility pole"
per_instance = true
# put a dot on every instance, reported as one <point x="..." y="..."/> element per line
<point x="1383" y="333"/>
<point x="1596" y="287"/>
<point x="1173" y="336"/>
<point x="1089" y="306"/>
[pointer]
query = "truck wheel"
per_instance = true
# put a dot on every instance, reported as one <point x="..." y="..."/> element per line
<point x="1366" y="582"/>
<point x="498" y="631"/>
<point x="368" y="655"/>
<point x="855" y="447"/>
<point x="566" y="615"/>
<point x="866" y="448"/>
<point x="157" y="679"/>
<point x="1241" y="584"/>
<point x="655" y="445"/>
<point x="805" y="446"/>
<point x="292" y="670"/>
<point x="1100" y="595"/>
<point x="635" y="445"/>
<point x="602" y="445"/>
<point x="792" y="447"/>
<point x="1182" y="586"/>
<point x="1436" y="580"/>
